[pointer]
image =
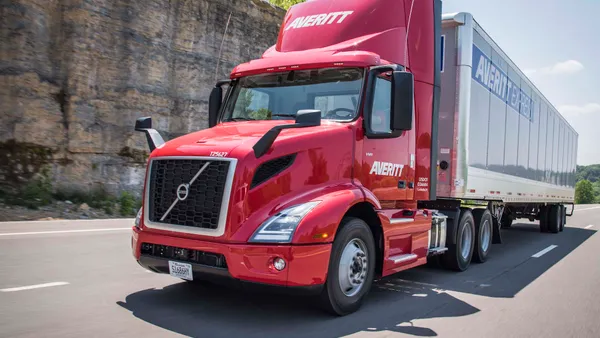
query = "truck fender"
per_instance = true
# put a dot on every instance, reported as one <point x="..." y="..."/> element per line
<point x="320" y="225"/>
<point x="451" y="224"/>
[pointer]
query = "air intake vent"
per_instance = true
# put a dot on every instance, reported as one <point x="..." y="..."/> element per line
<point x="271" y="168"/>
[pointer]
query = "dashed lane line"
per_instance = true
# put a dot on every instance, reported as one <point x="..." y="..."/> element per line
<point x="545" y="251"/>
<point x="36" y="286"/>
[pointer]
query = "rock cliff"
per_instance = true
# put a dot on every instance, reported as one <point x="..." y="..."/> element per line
<point x="75" y="74"/>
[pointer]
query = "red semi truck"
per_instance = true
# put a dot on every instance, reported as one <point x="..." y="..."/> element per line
<point x="374" y="136"/>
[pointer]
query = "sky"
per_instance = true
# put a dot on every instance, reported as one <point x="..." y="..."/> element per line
<point x="557" y="44"/>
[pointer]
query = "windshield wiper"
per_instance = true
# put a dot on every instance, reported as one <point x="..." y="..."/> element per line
<point x="235" y="119"/>
<point x="284" y="115"/>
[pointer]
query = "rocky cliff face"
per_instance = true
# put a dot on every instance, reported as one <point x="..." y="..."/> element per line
<point x="75" y="74"/>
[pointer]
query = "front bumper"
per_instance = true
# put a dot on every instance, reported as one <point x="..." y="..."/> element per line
<point x="306" y="266"/>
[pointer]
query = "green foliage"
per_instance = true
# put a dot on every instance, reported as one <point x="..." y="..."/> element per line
<point x="128" y="204"/>
<point x="36" y="193"/>
<point x="260" y="114"/>
<point x="286" y="4"/>
<point x="590" y="172"/>
<point x="584" y="192"/>
<point x="99" y="198"/>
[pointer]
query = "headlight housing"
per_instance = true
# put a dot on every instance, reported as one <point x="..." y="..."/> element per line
<point x="138" y="218"/>
<point x="280" y="227"/>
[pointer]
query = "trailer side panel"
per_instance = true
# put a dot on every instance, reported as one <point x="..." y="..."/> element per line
<point x="515" y="145"/>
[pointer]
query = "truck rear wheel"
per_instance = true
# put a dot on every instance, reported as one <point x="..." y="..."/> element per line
<point x="483" y="234"/>
<point x="563" y="217"/>
<point x="351" y="268"/>
<point x="554" y="218"/>
<point x="458" y="256"/>
<point x="544" y="210"/>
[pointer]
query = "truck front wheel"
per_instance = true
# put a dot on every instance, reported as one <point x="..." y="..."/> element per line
<point x="351" y="267"/>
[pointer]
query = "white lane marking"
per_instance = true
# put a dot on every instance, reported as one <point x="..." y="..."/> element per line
<point x="545" y="251"/>
<point x="587" y="209"/>
<point x="104" y="220"/>
<point x="37" y="286"/>
<point x="61" y="232"/>
<point x="589" y="226"/>
<point x="413" y="282"/>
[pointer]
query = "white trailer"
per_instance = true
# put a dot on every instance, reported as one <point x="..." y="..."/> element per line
<point x="503" y="150"/>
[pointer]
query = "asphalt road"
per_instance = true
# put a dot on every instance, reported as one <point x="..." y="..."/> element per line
<point x="78" y="279"/>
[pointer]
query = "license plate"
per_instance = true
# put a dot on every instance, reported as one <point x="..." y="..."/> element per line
<point x="181" y="270"/>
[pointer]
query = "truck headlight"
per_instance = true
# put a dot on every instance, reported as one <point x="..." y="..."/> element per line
<point x="281" y="226"/>
<point x="138" y="217"/>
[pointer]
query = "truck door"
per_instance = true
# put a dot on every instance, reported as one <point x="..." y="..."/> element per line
<point x="386" y="158"/>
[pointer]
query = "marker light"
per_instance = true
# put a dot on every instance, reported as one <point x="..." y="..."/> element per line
<point x="279" y="263"/>
<point x="137" y="218"/>
<point x="281" y="226"/>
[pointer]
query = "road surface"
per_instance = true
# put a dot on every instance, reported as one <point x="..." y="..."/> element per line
<point x="78" y="279"/>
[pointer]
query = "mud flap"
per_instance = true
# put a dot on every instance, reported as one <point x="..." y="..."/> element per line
<point x="496" y="233"/>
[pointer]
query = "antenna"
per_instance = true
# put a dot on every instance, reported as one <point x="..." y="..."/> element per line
<point x="221" y="48"/>
<point x="407" y="29"/>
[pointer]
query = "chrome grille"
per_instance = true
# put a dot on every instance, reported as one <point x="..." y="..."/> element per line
<point x="188" y="192"/>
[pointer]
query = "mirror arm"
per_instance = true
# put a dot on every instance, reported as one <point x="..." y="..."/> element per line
<point x="144" y="124"/>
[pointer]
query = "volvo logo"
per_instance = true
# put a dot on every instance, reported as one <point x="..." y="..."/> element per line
<point x="182" y="191"/>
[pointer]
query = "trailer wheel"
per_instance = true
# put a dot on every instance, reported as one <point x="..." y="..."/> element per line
<point x="458" y="256"/>
<point x="554" y="218"/>
<point x="544" y="211"/>
<point x="351" y="268"/>
<point x="506" y="221"/>
<point x="563" y="217"/>
<point x="483" y="234"/>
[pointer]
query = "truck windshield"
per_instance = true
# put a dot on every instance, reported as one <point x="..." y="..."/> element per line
<point x="279" y="96"/>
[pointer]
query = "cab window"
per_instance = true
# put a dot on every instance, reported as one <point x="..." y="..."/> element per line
<point x="382" y="102"/>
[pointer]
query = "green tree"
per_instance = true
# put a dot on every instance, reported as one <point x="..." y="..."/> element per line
<point x="286" y="4"/>
<point x="597" y="190"/>
<point x="584" y="192"/>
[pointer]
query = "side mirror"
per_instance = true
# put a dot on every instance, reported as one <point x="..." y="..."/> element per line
<point x="214" y="105"/>
<point x="143" y="123"/>
<point x="402" y="101"/>
<point x="214" y="102"/>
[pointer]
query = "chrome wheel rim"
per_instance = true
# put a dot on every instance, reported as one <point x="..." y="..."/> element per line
<point x="486" y="234"/>
<point x="353" y="267"/>
<point x="466" y="240"/>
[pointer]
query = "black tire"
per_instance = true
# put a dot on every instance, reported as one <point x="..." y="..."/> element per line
<point x="333" y="297"/>
<point x="554" y="219"/>
<point x="544" y="218"/>
<point x="482" y="216"/>
<point x="563" y="217"/>
<point x="506" y="221"/>
<point x="453" y="259"/>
